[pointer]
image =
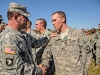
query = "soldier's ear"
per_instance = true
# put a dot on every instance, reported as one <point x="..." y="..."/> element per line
<point x="63" y="20"/>
<point x="15" y="16"/>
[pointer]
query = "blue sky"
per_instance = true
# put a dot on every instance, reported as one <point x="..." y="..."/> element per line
<point x="80" y="13"/>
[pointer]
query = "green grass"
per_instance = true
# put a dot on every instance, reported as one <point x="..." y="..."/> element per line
<point x="94" y="70"/>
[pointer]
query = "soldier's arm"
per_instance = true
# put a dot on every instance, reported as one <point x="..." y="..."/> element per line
<point x="47" y="55"/>
<point x="13" y="57"/>
<point x="36" y="43"/>
<point x="84" y="42"/>
<point x="95" y="37"/>
<point x="85" y="47"/>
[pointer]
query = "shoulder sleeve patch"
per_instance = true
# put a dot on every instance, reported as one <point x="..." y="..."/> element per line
<point x="9" y="50"/>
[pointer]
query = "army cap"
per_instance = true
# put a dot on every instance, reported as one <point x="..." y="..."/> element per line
<point x="2" y="24"/>
<point x="14" y="7"/>
<point x="1" y="17"/>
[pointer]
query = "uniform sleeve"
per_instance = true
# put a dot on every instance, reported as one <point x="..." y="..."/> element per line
<point x="47" y="56"/>
<point x="40" y="42"/>
<point x="84" y="42"/>
<point x="12" y="57"/>
<point x="95" y="37"/>
<point x="86" y="50"/>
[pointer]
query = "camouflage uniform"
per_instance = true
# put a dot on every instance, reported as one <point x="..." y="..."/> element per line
<point x="69" y="54"/>
<point x="97" y="41"/>
<point x="33" y="34"/>
<point x="40" y="51"/>
<point x="93" y="43"/>
<point x="16" y="55"/>
<point x="88" y="58"/>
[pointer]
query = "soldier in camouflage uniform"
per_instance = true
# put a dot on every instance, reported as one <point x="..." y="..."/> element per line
<point x="97" y="41"/>
<point x="43" y="32"/>
<point x="89" y="55"/>
<point x="29" y="30"/>
<point x="69" y="48"/>
<point x="15" y="45"/>
<point x="83" y="30"/>
<point x="93" y="31"/>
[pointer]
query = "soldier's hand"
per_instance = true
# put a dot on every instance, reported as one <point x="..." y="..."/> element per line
<point x="44" y="69"/>
<point x="53" y="35"/>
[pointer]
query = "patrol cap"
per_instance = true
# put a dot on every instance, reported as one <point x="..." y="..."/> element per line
<point x="1" y="17"/>
<point x="3" y="23"/>
<point x="14" y="7"/>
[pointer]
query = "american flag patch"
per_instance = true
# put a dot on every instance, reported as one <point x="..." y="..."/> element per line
<point x="9" y="50"/>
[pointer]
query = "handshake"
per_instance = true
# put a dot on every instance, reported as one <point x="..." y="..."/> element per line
<point x="40" y="70"/>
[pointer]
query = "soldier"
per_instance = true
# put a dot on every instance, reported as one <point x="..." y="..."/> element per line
<point x="89" y="55"/>
<point x="15" y="45"/>
<point x="29" y="30"/>
<point x="97" y="41"/>
<point x="1" y="19"/>
<point x="83" y="30"/>
<point x="2" y="26"/>
<point x="93" y="31"/>
<point x="43" y="32"/>
<point x="69" y="48"/>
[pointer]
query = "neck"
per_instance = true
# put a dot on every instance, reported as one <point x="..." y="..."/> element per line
<point x="13" y="25"/>
<point x="64" y="28"/>
<point x="42" y="30"/>
<point x="28" y="29"/>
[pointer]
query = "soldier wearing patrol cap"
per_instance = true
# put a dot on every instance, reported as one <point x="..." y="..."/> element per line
<point x="15" y="45"/>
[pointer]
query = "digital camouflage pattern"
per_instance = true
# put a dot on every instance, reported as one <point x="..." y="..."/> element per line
<point x="97" y="41"/>
<point x="15" y="52"/>
<point x="88" y="57"/>
<point x="39" y="51"/>
<point x="69" y="54"/>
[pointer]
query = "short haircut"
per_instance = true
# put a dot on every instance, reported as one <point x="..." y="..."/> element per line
<point x="43" y="21"/>
<point x="93" y="29"/>
<point x="61" y="14"/>
<point x="82" y="29"/>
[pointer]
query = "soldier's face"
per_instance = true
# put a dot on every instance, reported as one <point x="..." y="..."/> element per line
<point x="57" y="21"/>
<point x="38" y="25"/>
<point x="92" y="30"/>
<point x="22" y="20"/>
